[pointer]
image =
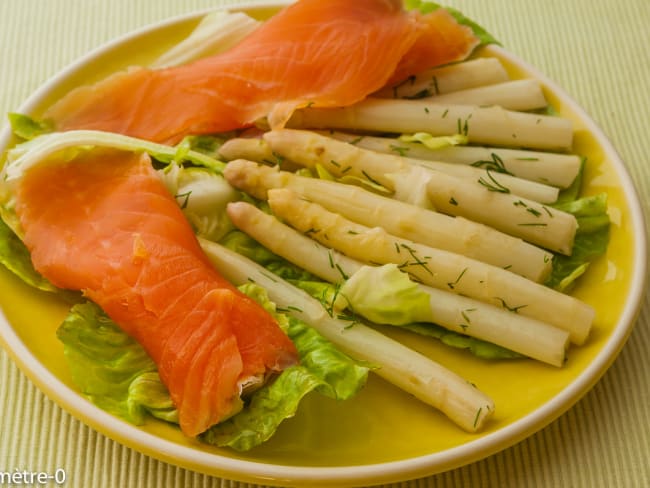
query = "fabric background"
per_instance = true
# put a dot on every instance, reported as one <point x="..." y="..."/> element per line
<point x="596" y="49"/>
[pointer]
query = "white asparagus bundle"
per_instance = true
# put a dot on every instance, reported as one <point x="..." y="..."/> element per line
<point x="545" y="226"/>
<point x="484" y="203"/>
<point x="401" y="219"/>
<point x="521" y="95"/>
<point x="437" y="268"/>
<point x="309" y="149"/>
<point x="459" y="76"/>
<point x="482" y="125"/>
<point x="518" y="333"/>
<point x="549" y="168"/>
<point x="416" y="374"/>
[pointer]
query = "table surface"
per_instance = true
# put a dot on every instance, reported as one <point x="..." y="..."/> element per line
<point x="595" y="49"/>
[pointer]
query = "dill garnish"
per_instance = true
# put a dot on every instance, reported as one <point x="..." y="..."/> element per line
<point x="370" y="178"/>
<point x="492" y="184"/>
<point x="509" y="308"/>
<point x="493" y="164"/>
<point x="453" y="284"/>
<point x="186" y="198"/>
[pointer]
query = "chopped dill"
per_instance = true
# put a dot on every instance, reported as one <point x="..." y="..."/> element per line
<point x="495" y="163"/>
<point x="478" y="415"/>
<point x="492" y="184"/>
<point x="452" y="285"/>
<point x="186" y="198"/>
<point x="509" y="308"/>
<point x="434" y="84"/>
<point x="370" y="178"/>
<point x="424" y="93"/>
<point x="416" y="260"/>
<point x="465" y="315"/>
<point x="356" y="141"/>
<point x="290" y="308"/>
<point x="340" y="270"/>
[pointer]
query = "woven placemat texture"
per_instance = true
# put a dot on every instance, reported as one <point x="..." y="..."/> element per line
<point x="595" y="49"/>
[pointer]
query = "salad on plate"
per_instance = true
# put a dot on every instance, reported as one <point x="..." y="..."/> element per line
<point x="236" y="226"/>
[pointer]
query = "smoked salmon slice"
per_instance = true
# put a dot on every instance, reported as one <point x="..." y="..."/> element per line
<point x="322" y="53"/>
<point x="105" y="224"/>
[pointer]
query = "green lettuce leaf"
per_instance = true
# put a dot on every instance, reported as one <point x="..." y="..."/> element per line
<point x="323" y="291"/>
<point x="27" y="154"/>
<point x="573" y="191"/>
<point x="426" y="6"/>
<point x="111" y="368"/>
<point x="259" y="420"/>
<point x="204" y="144"/>
<point x="385" y="295"/>
<point x="203" y="196"/>
<point x="434" y="142"/>
<point x="479" y="348"/>
<point x="25" y="127"/>
<point x="591" y="241"/>
<point x="116" y="374"/>
<point x="15" y="256"/>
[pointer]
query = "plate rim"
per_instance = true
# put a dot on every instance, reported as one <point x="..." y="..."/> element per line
<point x="391" y="471"/>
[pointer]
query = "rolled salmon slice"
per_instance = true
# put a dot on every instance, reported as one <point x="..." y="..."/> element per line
<point x="322" y="53"/>
<point x="105" y="224"/>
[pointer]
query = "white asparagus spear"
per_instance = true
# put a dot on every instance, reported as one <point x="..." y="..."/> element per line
<point x="460" y="314"/>
<point x="482" y="125"/>
<point x="521" y="95"/>
<point x="459" y="76"/>
<point x="253" y="149"/>
<point x="549" y="168"/>
<point x="309" y="149"/>
<point x="416" y="374"/>
<point x="411" y="222"/>
<point x="434" y="267"/>
<point x="542" y="225"/>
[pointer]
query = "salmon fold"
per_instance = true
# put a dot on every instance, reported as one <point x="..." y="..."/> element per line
<point x="106" y="225"/>
<point x="321" y="53"/>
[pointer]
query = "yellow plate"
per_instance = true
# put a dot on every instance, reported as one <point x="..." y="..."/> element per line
<point x="382" y="435"/>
